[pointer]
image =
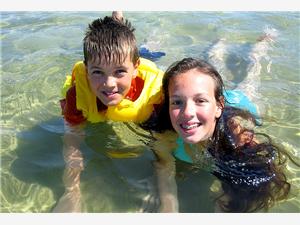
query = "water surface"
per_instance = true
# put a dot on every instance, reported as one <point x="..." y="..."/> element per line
<point x="39" y="48"/>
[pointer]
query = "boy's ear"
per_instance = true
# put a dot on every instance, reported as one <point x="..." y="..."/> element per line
<point x="135" y="72"/>
<point x="220" y="106"/>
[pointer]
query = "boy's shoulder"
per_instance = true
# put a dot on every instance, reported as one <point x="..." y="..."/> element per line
<point x="147" y="66"/>
<point x="79" y="65"/>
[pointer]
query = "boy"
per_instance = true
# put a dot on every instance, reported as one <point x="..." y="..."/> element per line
<point x="112" y="83"/>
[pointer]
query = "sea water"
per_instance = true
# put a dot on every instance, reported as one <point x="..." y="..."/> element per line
<point x="38" y="49"/>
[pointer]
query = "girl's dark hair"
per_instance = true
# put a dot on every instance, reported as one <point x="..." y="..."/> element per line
<point x="162" y="122"/>
<point x="110" y="40"/>
<point x="187" y="64"/>
<point x="252" y="174"/>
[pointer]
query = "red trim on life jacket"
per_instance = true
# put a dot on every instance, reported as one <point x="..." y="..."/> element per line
<point x="74" y="116"/>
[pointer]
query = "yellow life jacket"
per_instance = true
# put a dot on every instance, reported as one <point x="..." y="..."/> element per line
<point x="137" y="111"/>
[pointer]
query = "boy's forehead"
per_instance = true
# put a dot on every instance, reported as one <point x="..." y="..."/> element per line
<point x="103" y="61"/>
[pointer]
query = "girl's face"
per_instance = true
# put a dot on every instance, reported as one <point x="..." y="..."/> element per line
<point x="193" y="108"/>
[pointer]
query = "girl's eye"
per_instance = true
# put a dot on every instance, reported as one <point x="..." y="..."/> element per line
<point x="200" y="101"/>
<point x="175" y="102"/>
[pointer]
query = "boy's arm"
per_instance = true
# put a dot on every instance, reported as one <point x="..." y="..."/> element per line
<point x="166" y="171"/>
<point x="74" y="135"/>
<point x="70" y="201"/>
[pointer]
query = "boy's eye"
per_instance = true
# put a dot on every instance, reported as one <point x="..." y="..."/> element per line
<point x="120" y="72"/>
<point x="97" y="73"/>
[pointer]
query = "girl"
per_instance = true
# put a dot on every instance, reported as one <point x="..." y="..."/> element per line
<point x="249" y="166"/>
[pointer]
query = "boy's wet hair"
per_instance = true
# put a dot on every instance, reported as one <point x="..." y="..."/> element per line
<point x="110" y="41"/>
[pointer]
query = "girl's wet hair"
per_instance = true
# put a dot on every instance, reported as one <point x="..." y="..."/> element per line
<point x="187" y="64"/>
<point x="251" y="174"/>
<point x="110" y="41"/>
<point x="163" y="122"/>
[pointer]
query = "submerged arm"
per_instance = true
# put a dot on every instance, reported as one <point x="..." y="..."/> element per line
<point x="70" y="201"/>
<point x="165" y="172"/>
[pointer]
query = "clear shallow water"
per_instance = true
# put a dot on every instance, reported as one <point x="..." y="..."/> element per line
<point x="39" y="48"/>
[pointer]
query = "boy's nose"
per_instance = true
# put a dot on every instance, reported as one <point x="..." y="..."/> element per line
<point x="110" y="81"/>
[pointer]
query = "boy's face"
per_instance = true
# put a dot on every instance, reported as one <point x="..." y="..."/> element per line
<point x="111" y="82"/>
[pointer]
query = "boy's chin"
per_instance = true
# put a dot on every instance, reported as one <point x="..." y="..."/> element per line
<point x="110" y="102"/>
<point x="113" y="102"/>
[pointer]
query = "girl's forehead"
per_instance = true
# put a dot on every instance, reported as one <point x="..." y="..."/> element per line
<point x="192" y="83"/>
<point x="192" y="78"/>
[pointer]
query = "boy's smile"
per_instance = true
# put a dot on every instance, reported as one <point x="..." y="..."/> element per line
<point x="111" y="82"/>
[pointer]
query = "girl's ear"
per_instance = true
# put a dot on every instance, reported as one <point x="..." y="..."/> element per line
<point x="220" y="106"/>
<point x="135" y="72"/>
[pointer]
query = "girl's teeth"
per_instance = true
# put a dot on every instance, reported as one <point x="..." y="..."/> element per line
<point x="190" y="126"/>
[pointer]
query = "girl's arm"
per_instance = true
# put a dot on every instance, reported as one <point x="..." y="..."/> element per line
<point x="165" y="171"/>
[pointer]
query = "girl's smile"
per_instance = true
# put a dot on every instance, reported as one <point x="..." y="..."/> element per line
<point x="193" y="108"/>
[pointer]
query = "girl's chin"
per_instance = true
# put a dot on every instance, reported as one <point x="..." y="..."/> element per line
<point x="191" y="140"/>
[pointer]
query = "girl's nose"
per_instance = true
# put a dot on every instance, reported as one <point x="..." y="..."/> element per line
<point x="188" y="110"/>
